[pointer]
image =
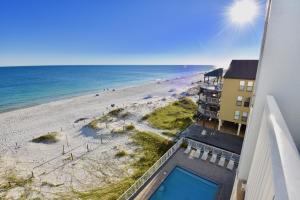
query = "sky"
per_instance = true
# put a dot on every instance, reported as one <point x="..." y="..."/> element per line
<point x="61" y="32"/>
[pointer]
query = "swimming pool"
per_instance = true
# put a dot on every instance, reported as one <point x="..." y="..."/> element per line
<point x="183" y="185"/>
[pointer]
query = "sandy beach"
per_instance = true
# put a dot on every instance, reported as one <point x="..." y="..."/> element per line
<point x="93" y="161"/>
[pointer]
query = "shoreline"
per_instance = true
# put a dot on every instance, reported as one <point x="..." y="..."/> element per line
<point x="96" y="91"/>
<point x="69" y="119"/>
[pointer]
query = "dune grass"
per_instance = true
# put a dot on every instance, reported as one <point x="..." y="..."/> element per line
<point x="115" y="112"/>
<point x="121" y="154"/>
<point x="129" y="127"/>
<point x="47" y="139"/>
<point x="13" y="181"/>
<point x="175" y="116"/>
<point x="153" y="147"/>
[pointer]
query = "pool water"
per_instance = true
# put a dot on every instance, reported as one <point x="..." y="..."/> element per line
<point x="183" y="185"/>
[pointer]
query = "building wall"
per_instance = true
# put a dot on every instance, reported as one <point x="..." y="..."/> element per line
<point x="278" y="75"/>
<point x="231" y="90"/>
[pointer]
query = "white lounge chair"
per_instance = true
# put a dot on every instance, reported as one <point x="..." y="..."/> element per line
<point x="221" y="161"/>
<point x="205" y="155"/>
<point x="203" y="132"/>
<point x="192" y="154"/>
<point x="213" y="158"/>
<point x="197" y="153"/>
<point x="188" y="149"/>
<point x="230" y="164"/>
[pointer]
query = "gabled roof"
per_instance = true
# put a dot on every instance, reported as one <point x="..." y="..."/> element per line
<point x="215" y="73"/>
<point x="242" y="69"/>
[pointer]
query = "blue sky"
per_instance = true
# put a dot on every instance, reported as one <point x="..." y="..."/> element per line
<point x="42" y="32"/>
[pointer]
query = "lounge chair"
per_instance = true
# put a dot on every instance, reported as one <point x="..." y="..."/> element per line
<point x="205" y="155"/>
<point x="188" y="149"/>
<point x="203" y="132"/>
<point x="230" y="164"/>
<point x="192" y="154"/>
<point x="221" y="161"/>
<point x="197" y="153"/>
<point x="213" y="158"/>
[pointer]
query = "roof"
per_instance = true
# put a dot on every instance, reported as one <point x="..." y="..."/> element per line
<point x="221" y="140"/>
<point x="242" y="69"/>
<point x="215" y="73"/>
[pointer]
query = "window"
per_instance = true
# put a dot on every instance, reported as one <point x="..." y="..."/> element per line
<point x="239" y="100"/>
<point x="244" y="116"/>
<point x="250" y="86"/>
<point x="247" y="102"/>
<point x="237" y="115"/>
<point x="242" y="85"/>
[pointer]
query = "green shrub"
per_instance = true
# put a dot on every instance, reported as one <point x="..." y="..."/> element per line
<point x="129" y="127"/>
<point x="120" y="154"/>
<point x="115" y="112"/>
<point x="175" y="116"/>
<point x="184" y="145"/>
<point x="145" y="117"/>
<point x="48" y="138"/>
<point x="168" y="133"/>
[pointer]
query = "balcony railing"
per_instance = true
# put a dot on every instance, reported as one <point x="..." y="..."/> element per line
<point x="208" y="113"/>
<point x="211" y="86"/>
<point x="275" y="169"/>
<point x="210" y="100"/>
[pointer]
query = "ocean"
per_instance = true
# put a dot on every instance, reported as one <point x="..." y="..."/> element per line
<point x="31" y="85"/>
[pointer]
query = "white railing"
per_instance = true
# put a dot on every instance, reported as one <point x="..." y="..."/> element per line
<point x="150" y="172"/>
<point x="210" y="100"/>
<point x="275" y="169"/>
<point x="220" y="152"/>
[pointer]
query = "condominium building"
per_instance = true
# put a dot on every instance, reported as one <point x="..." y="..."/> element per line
<point x="209" y="95"/>
<point x="237" y="92"/>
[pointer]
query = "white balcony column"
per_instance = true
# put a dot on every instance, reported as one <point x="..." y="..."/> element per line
<point x="239" y="129"/>
<point x="220" y="124"/>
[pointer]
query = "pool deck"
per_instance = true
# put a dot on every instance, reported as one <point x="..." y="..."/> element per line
<point x="220" y="175"/>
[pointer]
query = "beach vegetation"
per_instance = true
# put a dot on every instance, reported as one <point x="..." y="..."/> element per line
<point x="120" y="154"/>
<point x="108" y="117"/>
<point x="145" y="117"/>
<point x="13" y="181"/>
<point x="45" y="183"/>
<point x="152" y="148"/>
<point x="94" y="124"/>
<point x="49" y="138"/>
<point x="175" y="116"/>
<point x="115" y="112"/>
<point x="184" y="145"/>
<point x="169" y="133"/>
<point x="124" y="115"/>
<point x="129" y="127"/>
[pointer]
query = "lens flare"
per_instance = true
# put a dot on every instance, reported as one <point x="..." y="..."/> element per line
<point x="243" y="12"/>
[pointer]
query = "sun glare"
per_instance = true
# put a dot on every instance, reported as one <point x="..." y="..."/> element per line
<point x="242" y="12"/>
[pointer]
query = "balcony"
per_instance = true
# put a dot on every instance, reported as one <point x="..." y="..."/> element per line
<point x="274" y="173"/>
<point x="211" y="87"/>
<point x="208" y="113"/>
<point x="209" y="100"/>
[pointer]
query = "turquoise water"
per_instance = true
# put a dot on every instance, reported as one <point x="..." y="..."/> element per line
<point x="183" y="185"/>
<point x="31" y="85"/>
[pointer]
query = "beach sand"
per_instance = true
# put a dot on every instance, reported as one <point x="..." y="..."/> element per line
<point x="94" y="163"/>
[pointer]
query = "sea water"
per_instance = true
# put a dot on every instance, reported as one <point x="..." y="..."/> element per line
<point x="32" y="85"/>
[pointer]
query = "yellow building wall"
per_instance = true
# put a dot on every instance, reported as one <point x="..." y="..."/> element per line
<point x="230" y="92"/>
